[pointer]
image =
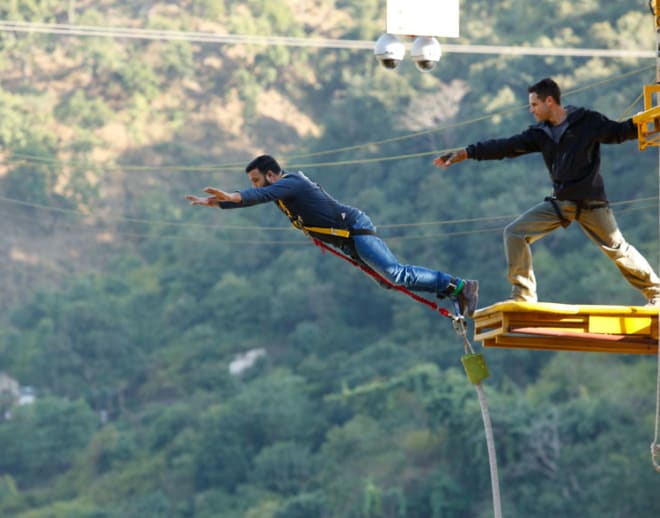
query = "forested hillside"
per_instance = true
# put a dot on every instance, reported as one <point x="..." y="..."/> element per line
<point x="126" y="309"/>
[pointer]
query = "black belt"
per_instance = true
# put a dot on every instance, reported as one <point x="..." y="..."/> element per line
<point x="591" y="205"/>
<point x="362" y="232"/>
<point x="344" y="240"/>
<point x="579" y="206"/>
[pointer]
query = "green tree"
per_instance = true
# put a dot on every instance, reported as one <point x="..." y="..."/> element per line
<point x="33" y="181"/>
<point x="270" y="410"/>
<point x="88" y="113"/>
<point x="305" y="505"/>
<point x="84" y="346"/>
<point x="284" y="467"/>
<point x="43" y="439"/>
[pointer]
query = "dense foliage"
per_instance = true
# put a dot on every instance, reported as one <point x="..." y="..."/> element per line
<point x="126" y="309"/>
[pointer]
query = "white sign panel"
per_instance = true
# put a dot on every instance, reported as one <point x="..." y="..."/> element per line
<point x="423" y="17"/>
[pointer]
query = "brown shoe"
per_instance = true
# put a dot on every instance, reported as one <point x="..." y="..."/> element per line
<point x="468" y="297"/>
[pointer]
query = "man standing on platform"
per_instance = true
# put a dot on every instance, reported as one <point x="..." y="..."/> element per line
<point x="569" y="139"/>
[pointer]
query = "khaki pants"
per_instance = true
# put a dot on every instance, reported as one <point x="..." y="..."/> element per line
<point x="601" y="227"/>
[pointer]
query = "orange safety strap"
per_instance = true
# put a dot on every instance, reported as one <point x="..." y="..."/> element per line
<point x="369" y="271"/>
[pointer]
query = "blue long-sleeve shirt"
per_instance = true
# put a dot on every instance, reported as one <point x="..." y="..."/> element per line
<point x="304" y="199"/>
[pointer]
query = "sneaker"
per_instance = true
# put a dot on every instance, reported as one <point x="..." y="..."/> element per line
<point x="467" y="298"/>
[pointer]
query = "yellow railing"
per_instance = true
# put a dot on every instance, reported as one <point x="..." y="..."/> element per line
<point x="648" y="121"/>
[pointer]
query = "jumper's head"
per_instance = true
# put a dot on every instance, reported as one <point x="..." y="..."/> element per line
<point x="263" y="170"/>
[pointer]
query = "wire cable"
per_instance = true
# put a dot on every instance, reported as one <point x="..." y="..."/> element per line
<point x="305" y="42"/>
<point x="27" y="158"/>
<point x="242" y="228"/>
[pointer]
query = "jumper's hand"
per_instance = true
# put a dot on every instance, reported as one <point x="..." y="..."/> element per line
<point x="211" y="201"/>
<point x="450" y="158"/>
<point x="222" y="195"/>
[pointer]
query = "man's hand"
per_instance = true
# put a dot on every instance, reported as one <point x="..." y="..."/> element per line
<point x="211" y="201"/>
<point x="219" y="195"/>
<point x="450" y="158"/>
<point x="216" y="197"/>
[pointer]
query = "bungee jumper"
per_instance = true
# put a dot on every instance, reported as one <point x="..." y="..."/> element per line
<point x="569" y="139"/>
<point x="311" y="209"/>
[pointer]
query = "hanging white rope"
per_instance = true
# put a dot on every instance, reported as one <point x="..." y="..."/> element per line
<point x="492" y="456"/>
<point x="655" y="447"/>
<point x="460" y="327"/>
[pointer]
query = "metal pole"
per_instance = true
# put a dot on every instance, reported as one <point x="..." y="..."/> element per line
<point x="655" y="447"/>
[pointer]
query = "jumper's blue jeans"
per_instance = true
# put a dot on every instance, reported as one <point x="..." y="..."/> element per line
<point x="375" y="253"/>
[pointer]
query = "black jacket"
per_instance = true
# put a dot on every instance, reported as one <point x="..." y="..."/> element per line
<point x="573" y="162"/>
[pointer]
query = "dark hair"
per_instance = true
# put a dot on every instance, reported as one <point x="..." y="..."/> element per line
<point x="264" y="163"/>
<point x="546" y="88"/>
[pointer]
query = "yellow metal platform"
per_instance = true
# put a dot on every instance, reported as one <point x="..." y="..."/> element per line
<point x="562" y="327"/>
<point x="648" y="121"/>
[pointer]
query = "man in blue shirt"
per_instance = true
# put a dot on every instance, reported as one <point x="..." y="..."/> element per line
<point x="569" y="140"/>
<point x="319" y="215"/>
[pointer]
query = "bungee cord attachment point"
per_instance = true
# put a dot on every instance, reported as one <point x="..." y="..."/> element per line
<point x="473" y="363"/>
